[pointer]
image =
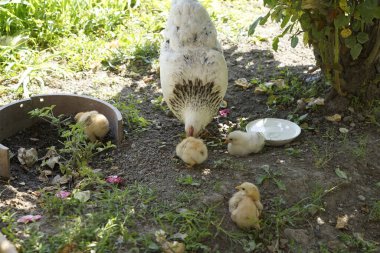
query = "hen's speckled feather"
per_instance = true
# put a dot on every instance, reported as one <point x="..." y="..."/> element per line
<point x="193" y="70"/>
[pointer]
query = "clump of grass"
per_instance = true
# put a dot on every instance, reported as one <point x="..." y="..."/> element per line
<point x="187" y="180"/>
<point x="375" y="211"/>
<point x="358" y="243"/>
<point x="58" y="36"/>
<point x="131" y="114"/>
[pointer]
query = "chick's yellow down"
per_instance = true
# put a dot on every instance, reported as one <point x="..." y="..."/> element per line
<point x="96" y="125"/>
<point x="245" y="206"/>
<point x="192" y="151"/>
<point x="242" y="143"/>
<point x="6" y="246"/>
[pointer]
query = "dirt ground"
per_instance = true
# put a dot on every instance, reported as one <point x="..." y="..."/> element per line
<point x="148" y="157"/>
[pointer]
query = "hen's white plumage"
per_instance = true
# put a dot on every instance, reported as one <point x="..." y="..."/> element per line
<point x="193" y="70"/>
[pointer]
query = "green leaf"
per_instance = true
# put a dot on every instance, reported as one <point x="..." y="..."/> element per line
<point x="355" y="51"/>
<point x="377" y="184"/>
<point x="294" y="41"/>
<point x="362" y="37"/>
<point x="83" y="196"/>
<point x="341" y="173"/>
<point x="356" y="25"/>
<point x="341" y="21"/>
<point x="275" y="43"/>
<point x="285" y="20"/>
<point x="261" y="179"/>
<point x="264" y="19"/>
<point x="350" y="41"/>
<point x="253" y="26"/>
<point x="280" y="184"/>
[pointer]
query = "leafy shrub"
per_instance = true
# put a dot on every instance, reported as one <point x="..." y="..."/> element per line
<point x="344" y="34"/>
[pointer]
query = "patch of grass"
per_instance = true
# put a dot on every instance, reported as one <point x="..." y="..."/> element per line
<point x="228" y="163"/>
<point x="296" y="152"/>
<point x="159" y="103"/>
<point x="275" y="220"/>
<point x="58" y="36"/>
<point x="273" y="175"/>
<point x="108" y="222"/>
<point x="321" y="157"/>
<point x="130" y="112"/>
<point x="360" y="150"/>
<point x="357" y="242"/>
<point x="375" y="211"/>
<point x="187" y="180"/>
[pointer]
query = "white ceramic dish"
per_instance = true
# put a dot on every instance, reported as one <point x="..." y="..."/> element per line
<point x="276" y="132"/>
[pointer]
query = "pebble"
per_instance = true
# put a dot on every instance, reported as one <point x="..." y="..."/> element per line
<point x="360" y="117"/>
<point x="298" y="235"/>
<point x="212" y="199"/>
<point x="352" y="124"/>
<point x="347" y="118"/>
<point x="361" y="198"/>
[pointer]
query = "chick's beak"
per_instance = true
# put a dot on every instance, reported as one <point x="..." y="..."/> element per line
<point x="226" y="141"/>
<point x="238" y="187"/>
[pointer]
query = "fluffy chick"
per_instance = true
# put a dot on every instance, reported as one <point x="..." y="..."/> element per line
<point x="242" y="143"/>
<point x="6" y="246"/>
<point x="192" y="151"/>
<point x="96" y="125"/>
<point x="245" y="206"/>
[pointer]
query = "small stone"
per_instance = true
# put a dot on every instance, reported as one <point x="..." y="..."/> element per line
<point x="298" y="235"/>
<point x="169" y="113"/>
<point x="347" y="118"/>
<point x="212" y="199"/>
<point x="352" y="124"/>
<point x="336" y="245"/>
<point x="361" y="198"/>
<point x="360" y="117"/>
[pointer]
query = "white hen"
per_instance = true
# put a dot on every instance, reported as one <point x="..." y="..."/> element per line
<point x="193" y="70"/>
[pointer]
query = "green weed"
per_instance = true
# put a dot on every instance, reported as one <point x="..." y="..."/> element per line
<point x="360" y="150"/>
<point x="375" y="211"/>
<point x="321" y="158"/>
<point x="273" y="175"/>
<point x="131" y="114"/>
<point x="77" y="151"/>
<point x="357" y="242"/>
<point x="187" y="180"/>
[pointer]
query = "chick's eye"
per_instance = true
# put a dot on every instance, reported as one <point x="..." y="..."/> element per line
<point x="202" y="153"/>
<point x="231" y="139"/>
<point x="243" y="189"/>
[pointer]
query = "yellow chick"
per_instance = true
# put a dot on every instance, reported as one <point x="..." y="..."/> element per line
<point x="242" y="143"/>
<point x="6" y="246"/>
<point x="192" y="151"/>
<point x="96" y="125"/>
<point x="245" y="206"/>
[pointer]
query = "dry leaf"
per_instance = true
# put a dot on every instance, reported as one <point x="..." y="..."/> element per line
<point x="68" y="248"/>
<point x="316" y="101"/>
<point x="334" y="118"/>
<point x="51" y="158"/>
<point x="242" y="82"/>
<point x="27" y="157"/>
<point x="61" y="180"/>
<point x="83" y="196"/>
<point x="342" y="222"/>
<point x="259" y="90"/>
